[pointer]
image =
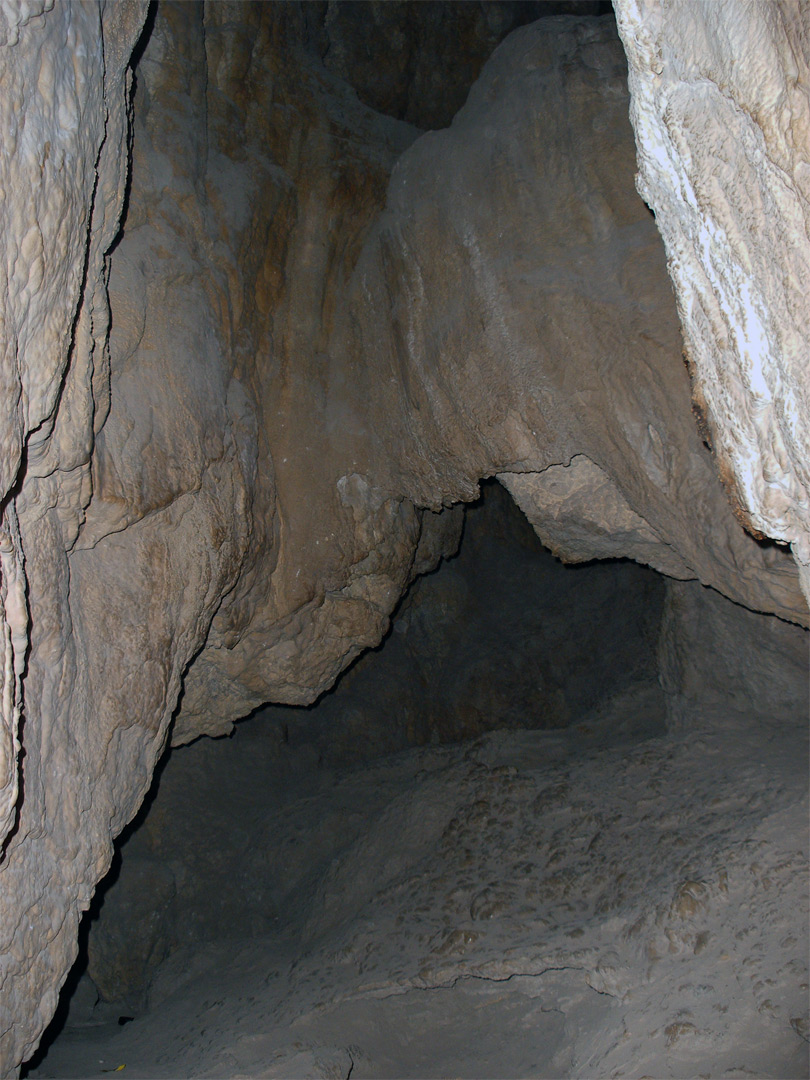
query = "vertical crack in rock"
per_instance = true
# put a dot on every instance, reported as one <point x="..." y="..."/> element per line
<point x="14" y="629"/>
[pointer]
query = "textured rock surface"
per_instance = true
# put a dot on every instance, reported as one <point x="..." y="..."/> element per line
<point x="721" y="110"/>
<point x="322" y="554"/>
<point x="63" y="114"/>
<point x="322" y="330"/>
<point x="724" y="662"/>
<point x="554" y="315"/>
<point x="502" y="636"/>
<point x="417" y="59"/>
<point x="432" y="357"/>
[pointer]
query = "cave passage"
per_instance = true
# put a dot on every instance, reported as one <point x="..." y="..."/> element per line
<point x="502" y="636"/>
<point x="467" y="808"/>
<point x="555" y="824"/>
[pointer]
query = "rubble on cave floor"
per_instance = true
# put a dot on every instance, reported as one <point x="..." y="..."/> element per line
<point x="534" y="903"/>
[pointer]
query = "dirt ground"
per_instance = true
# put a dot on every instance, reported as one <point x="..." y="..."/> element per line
<point x="604" y="901"/>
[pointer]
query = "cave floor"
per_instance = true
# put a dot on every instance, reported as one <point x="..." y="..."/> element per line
<point x="579" y="903"/>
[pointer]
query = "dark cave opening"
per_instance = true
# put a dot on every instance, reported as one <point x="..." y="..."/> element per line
<point x="259" y="845"/>
<point x="501" y="727"/>
<point x="502" y="636"/>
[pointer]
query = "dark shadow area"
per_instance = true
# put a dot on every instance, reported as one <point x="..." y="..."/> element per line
<point x="135" y="59"/>
<point x="502" y="636"/>
<point x="68" y="993"/>
<point x="434" y="49"/>
<point x="501" y="765"/>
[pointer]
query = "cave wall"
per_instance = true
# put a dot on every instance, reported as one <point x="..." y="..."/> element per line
<point x="63" y="164"/>
<point x="721" y="665"/>
<point x="434" y="51"/>
<point x="501" y="636"/>
<point x="428" y="336"/>
<point x="322" y="327"/>
<point x="721" y="111"/>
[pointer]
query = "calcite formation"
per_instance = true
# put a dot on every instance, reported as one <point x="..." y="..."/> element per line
<point x="228" y="433"/>
<point x="508" y="311"/>
<point x="721" y="110"/>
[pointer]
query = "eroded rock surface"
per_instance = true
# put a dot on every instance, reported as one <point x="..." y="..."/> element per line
<point x="718" y="659"/>
<point x="63" y="114"/>
<point x="502" y="637"/>
<point x="417" y="59"/>
<point x="551" y="273"/>
<point x="509" y="311"/>
<point x="324" y="329"/>
<point x="721" y="111"/>
<point x="533" y="904"/>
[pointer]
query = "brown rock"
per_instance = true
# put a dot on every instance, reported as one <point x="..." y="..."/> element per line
<point x="722" y="664"/>
<point x="417" y="59"/>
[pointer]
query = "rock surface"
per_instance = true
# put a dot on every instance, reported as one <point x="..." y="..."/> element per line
<point x="502" y="636"/>
<point x="64" y="87"/>
<point x="322" y="330"/>
<point x="721" y="111"/>
<point x="416" y="60"/>
<point x="723" y="661"/>
<point x="507" y="312"/>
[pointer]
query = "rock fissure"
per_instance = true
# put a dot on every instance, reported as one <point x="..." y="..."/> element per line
<point x="476" y="977"/>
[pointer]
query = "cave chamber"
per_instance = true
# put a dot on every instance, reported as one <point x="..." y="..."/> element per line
<point x="404" y="551"/>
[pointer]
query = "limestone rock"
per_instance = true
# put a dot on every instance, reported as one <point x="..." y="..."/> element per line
<point x="722" y="119"/>
<point x="417" y="60"/>
<point x="580" y="514"/>
<point x="463" y="904"/>
<point x="322" y="330"/>
<point x="122" y="963"/>
<point x="536" y="323"/>
<point x="502" y="636"/>
<point x="64" y="86"/>
<point x="566" y="347"/>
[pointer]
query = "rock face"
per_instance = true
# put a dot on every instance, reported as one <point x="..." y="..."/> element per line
<point x="725" y="663"/>
<point x="467" y="329"/>
<point x="502" y="637"/>
<point x="63" y="115"/>
<point x="321" y="329"/>
<point x="532" y="903"/>
<point x="721" y="112"/>
<point x="433" y="51"/>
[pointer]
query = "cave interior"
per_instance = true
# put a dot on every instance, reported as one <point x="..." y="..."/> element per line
<point x="553" y="824"/>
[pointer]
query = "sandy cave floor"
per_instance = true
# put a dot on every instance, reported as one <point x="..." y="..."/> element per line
<point x="578" y="903"/>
